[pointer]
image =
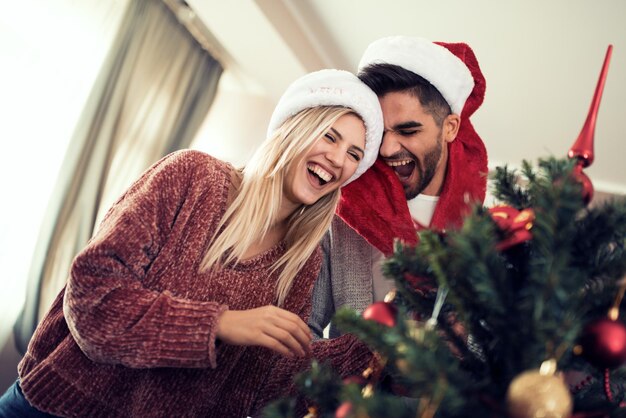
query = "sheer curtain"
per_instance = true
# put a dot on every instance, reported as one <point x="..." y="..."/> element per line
<point x="152" y="94"/>
<point x="50" y="54"/>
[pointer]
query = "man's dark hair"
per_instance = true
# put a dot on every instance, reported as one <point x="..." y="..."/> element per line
<point x="388" y="78"/>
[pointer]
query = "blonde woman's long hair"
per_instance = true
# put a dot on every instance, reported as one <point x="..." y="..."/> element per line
<point x="255" y="207"/>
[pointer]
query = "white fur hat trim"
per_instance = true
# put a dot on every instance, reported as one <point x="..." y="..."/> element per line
<point x="435" y="63"/>
<point x="334" y="88"/>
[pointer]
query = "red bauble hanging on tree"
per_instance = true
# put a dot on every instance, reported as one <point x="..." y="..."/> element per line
<point x="514" y="225"/>
<point x="603" y="343"/>
<point x="359" y="380"/>
<point x="344" y="410"/>
<point x="421" y="285"/>
<point x="382" y="312"/>
<point x="585" y="182"/>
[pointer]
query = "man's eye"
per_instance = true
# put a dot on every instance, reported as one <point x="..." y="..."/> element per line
<point x="329" y="137"/>
<point x="407" y="133"/>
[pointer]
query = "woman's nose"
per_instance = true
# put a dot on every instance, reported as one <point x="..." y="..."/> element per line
<point x="336" y="156"/>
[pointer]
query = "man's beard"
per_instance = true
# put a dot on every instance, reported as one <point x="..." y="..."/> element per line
<point x="427" y="172"/>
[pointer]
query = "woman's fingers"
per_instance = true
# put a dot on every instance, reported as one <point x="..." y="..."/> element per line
<point x="297" y="328"/>
<point x="289" y="328"/>
<point x="268" y="326"/>
<point x="289" y="335"/>
<point x="275" y="345"/>
<point x="302" y="326"/>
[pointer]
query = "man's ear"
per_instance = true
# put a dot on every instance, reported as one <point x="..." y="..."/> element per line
<point x="450" y="127"/>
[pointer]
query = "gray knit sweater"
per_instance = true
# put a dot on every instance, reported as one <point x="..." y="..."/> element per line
<point x="345" y="278"/>
<point x="133" y="335"/>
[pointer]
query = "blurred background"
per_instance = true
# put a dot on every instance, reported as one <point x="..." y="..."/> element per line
<point x="93" y="92"/>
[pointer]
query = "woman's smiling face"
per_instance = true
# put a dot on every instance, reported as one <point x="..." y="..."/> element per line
<point x="330" y="162"/>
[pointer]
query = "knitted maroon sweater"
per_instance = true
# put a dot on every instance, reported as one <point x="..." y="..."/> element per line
<point x="133" y="334"/>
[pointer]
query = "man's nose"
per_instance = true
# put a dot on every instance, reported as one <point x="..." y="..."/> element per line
<point x="389" y="145"/>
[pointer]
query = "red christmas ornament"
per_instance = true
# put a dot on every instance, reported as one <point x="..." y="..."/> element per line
<point x="422" y="285"/>
<point x="582" y="150"/>
<point x="382" y="312"/>
<point x="359" y="380"/>
<point x="603" y="343"/>
<point x="514" y="224"/>
<point x="582" y="178"/>
<point x="344" y="410"/>
<point x="583" y="147"/>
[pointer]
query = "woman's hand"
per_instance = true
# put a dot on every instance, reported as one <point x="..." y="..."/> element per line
<point x="268" y="326"/>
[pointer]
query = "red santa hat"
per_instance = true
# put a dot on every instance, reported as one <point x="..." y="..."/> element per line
<point x="446" y="66"/>
<point x="433" y="62"/>
<point x="334" y="88"/>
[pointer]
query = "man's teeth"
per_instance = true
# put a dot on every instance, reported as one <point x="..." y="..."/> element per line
<point x="321" y="173"/>
<point x="398" y="163"/>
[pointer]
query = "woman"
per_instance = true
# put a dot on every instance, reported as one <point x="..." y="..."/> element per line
<point x="192" y="298"/>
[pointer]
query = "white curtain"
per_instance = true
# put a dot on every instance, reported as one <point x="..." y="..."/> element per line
<point x="151" y="96"/>
<point x="50" y="55"/>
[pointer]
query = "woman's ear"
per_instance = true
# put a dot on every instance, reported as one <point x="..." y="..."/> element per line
<point x="450" y="127"/>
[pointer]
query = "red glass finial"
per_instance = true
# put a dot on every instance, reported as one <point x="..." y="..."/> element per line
<point x="585" y="182"/>
<point x="583" y="147"/>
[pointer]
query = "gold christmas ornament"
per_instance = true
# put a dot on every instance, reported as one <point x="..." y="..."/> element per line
<point x="539" y="394"/>
<point x="401" y="348"/>
<point x="367" y="372"/>
<point x="390" y="296"/>
<point x="414" y="330"/>
<point x="367" y="391"/>
<point x="614" y="311"/>
<point x="312" y="412"/>
<point x="403" y="365"/>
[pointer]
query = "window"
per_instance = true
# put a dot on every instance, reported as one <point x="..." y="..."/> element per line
<point x="50" y="54"/>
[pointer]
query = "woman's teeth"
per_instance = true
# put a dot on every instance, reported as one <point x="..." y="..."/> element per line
<point x="320" y="172"/>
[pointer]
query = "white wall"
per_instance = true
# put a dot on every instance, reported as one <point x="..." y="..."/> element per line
<point x="236" y="123"/>
<point x="541" y="60"/>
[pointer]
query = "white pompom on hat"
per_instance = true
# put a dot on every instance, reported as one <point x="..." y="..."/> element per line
<point x="435" y="63"/>
<point x="334" y="88"/>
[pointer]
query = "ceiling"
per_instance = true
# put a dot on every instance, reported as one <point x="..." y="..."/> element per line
<point x="541" y="60"/>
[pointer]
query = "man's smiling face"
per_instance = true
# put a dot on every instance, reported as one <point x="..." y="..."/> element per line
<point x="414" y="145"/>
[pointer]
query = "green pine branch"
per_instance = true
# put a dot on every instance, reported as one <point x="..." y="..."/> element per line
<point x="506" y="311"/>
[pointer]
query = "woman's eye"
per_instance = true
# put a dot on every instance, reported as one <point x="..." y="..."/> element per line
<point x="355" y="156"/>
<point x="329" y="137"/>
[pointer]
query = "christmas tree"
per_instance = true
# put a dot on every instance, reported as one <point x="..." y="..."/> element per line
<point x="516" y="314"/>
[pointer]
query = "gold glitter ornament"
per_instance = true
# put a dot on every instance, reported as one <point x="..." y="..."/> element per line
<point x="367" y="391"/>
<point x="312" y="412"/>
<point x="536" y="395"/>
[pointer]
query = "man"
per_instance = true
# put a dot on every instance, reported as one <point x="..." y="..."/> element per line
<point x="432" y="166"/>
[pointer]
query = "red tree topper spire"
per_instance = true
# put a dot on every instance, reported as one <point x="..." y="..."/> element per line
<point x="583" y="147"/>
